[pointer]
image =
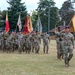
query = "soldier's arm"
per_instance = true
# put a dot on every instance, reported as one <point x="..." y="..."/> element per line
<point x="49" y="38"/>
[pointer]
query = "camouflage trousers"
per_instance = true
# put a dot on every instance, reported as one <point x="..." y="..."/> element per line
<point x="59" y="51"/>
<point x="20" y="47"/>
<point x="68" y="54"/>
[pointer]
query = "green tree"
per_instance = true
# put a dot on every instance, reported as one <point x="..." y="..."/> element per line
<point x="1" y="20"/>
<point x="34" y="18"/>
<point x="66" y="12"/>
<point x="15" y="8"/>
<point x="43" y="8"/>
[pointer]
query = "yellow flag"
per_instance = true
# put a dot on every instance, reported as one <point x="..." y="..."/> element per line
<point x="6" y="16"/>
<point x="30" y="25"/>
<point x="73" y="21"/>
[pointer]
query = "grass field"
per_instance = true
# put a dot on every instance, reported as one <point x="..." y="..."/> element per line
<point x="35" y="64"/>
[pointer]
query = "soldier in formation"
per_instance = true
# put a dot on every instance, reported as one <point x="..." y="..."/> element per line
<point x="68" y="44"/>
<point x="46" y="42"/>
<point x="31" y="43"/>
<point x="20" y="42"/>
<point x="59" y="42"/>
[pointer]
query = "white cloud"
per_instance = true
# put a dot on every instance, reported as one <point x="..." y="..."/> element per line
<point x="30" y="1"/>
<point x="59" y="3"/>
<point x="3" y="4"/>
<point x="30" y="4"/>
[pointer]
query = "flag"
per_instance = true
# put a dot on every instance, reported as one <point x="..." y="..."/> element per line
<point x="28" y="25"/>
<point x="7" y="23"/>
<point x="19" y="23"/>
<point x="39" y="25"/>
<point x="73" y="21"/>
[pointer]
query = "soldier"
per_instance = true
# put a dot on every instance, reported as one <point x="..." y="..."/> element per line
<point x="27" y="43"/>
<point x="37" y="42"/>
<point x="47" y="36"/>
<point x="68" y="44"/>
<point x="12" y="38"/>
<point x="59" y="42"/>
<point x="32" y="40"/>
<point x="20" y="41"/>
<point x="1" y="34"/>
<point x="4" y="40"/>
<point x="46" y="42"/>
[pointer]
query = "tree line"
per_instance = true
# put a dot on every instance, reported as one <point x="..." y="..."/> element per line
<point x="57" y="16"/>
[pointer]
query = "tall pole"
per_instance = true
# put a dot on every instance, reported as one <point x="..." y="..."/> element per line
<point x="48" y="19"/>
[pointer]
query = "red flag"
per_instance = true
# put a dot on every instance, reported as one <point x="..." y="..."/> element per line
<point x="28" y="25"/>
<point x="7" y="23"/>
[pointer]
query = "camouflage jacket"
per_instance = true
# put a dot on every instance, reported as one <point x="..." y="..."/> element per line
<point x="68" y="39"/>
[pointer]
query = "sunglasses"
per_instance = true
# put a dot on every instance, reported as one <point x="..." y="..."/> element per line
<point x="66" y="27"/>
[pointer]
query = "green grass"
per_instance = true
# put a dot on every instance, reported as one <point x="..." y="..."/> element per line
<point x="35" y="64"/>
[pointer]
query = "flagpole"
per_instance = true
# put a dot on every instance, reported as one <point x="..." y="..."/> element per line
<point x="16" y="29"/>
<point x="23" y="28"/>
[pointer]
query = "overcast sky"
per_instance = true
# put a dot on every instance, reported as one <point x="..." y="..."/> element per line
<point x="30" y="4"/>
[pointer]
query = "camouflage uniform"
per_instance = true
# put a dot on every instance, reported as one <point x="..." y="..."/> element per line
<point x="20" y="42"/>
<point x="4" y="40"/>
<point x="1" y="40"/>
<point x="68" y="44"/>
<point x="47" y="36"/>
<point x="46" y="42"/>
<point x="32" y="41"/>
<point x="28" y="43"/>
<point x="12" y="39"/>
<point x="59" y="42"/>
<point x="37" y="42"/>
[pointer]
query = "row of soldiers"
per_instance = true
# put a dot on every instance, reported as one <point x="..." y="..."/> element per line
<point x="31" y="42"/>
<point x="65" y="44"/>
